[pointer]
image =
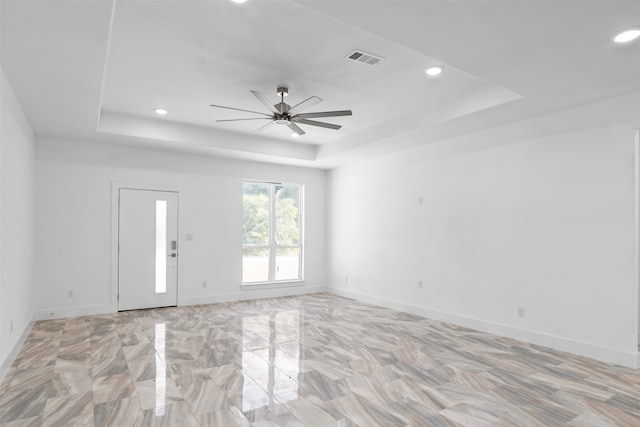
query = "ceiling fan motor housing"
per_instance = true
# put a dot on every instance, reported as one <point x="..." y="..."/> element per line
<point x="285" y="107"/>
<point x="282" y="121"/>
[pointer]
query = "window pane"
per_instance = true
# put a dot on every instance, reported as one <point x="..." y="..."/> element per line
<point x="287" y="263"/>
<point x="255" y="214"/>
<point x="255" y="265"/>
<point x="287" y="215"/>
<point x="161" y="246"/>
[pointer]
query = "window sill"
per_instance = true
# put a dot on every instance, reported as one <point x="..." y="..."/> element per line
<point x="271" y="285"/>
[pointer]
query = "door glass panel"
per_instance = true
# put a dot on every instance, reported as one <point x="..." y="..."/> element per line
<point x="255" y="265"/>
<point x="287" y="263"/>
<point x="161" y="246"/>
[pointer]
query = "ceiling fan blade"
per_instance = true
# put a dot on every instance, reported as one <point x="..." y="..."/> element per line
<point x="261" y="128"/>
<point x="309" y="102"/>
<point x="325" y="114"/>
<point x="265" y="101"/>
<point x="319" y="124"/>
<point x="240" y="109"/>
<point x="238" y="120"/>
<point x="294" y="127"/>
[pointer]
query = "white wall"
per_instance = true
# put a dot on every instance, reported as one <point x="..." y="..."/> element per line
<point x="16" y="225"/>
<point x="74" y="222"/>
<point x="510" y="217"/>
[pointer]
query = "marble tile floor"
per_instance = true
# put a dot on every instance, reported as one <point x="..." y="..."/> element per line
<point x="313" y="360"/>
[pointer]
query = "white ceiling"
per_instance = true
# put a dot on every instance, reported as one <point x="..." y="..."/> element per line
<point x="96" y="70"/>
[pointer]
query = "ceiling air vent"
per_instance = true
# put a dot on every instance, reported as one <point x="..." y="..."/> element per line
<point x="365" y="58"/>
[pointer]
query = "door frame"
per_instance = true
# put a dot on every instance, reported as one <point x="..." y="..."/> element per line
<point x="636" y="240"/>
<point x="115" y="217"/>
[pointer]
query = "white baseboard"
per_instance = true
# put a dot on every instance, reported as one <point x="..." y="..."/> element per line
<point x="85" y="310"/>
<point x="247" y="294"/>
<point x="15" y="350"/>
<point x="252" y="294"/>
<point x="608" y="355"/>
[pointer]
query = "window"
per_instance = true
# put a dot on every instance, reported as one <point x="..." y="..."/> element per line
<point x="272" y="235"/>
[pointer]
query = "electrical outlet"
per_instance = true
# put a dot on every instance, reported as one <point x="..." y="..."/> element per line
<point x="69" y="293"/>
<point x="420" y="284"/>
<point x="10" y="326"/>
<point x="346" y="279"/>
<point x="420" y="201"/>
<point x="520" y="311"/>
<point x="204" y="284"/>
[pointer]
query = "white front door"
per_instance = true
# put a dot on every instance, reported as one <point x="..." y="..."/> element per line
<point x="147" y="249"/>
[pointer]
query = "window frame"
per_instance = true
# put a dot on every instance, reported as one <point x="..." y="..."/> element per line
<point x="272" y="246"/>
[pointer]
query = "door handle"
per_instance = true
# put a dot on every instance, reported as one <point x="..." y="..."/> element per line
<point x="173" y="255"/>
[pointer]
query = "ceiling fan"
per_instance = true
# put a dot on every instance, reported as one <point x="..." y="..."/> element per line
<point x="283" y="114"/>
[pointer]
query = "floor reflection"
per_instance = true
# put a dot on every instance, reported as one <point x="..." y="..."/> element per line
<point x="271" y="367"/>
<point x="161" y="370"/>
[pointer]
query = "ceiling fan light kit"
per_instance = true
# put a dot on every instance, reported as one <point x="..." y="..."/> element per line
<point x="627" y="35"/>
<point x="283" y="114"/>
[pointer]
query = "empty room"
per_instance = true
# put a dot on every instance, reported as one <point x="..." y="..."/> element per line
<point x="319" y="213"/>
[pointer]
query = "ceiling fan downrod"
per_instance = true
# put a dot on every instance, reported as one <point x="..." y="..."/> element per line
<point x="283" y="118"/>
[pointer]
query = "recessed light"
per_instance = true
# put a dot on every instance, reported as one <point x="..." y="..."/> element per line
<point x="239" y="1"/>
<point x="161" y="111"/>
<point x="295" y="135"/>
<point x="627" y="36"/>
<point x="433" y="71"/>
